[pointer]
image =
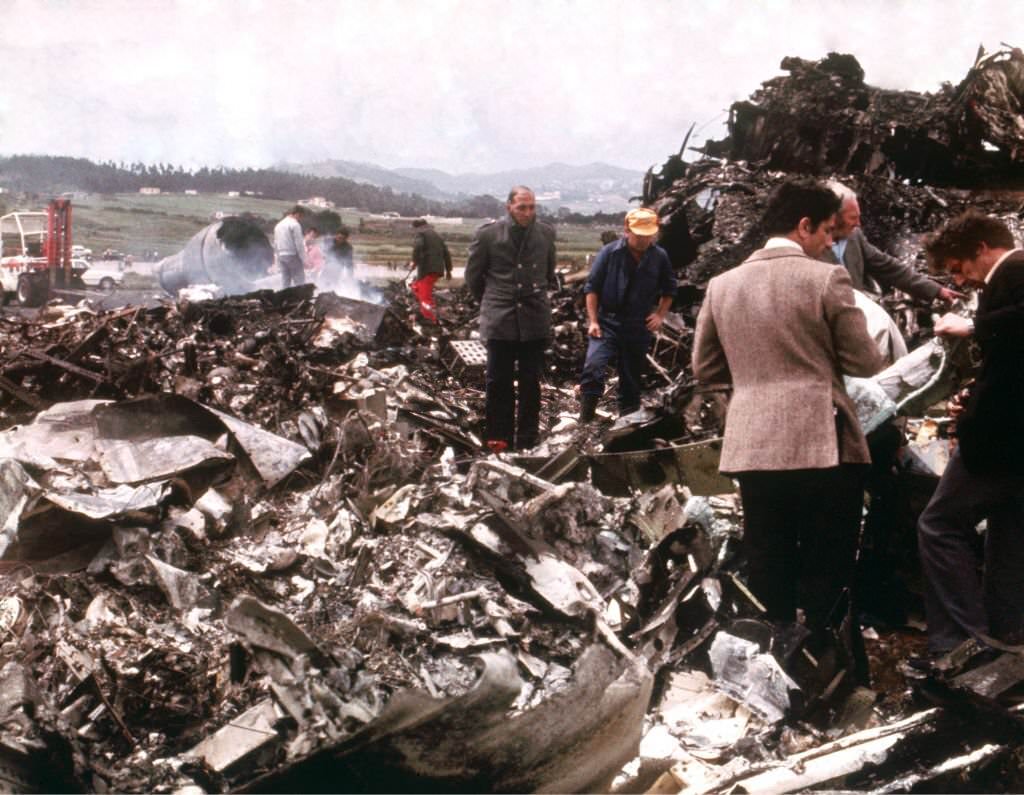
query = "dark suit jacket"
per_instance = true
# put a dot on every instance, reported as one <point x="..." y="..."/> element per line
<point x="867" y="264"/>
<point x="991" y="429"/>
<point x="512" y="282"/>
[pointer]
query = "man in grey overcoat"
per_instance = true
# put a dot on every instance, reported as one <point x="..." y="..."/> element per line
<point x="783" y="329"/>
<point x="868" y="265"/>
<point x="510" y="269"/>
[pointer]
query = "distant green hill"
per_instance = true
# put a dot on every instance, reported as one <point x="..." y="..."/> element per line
<point x="47" y="176"/>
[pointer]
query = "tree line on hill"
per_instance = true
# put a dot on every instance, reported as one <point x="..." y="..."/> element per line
<point x="45" y="175"/>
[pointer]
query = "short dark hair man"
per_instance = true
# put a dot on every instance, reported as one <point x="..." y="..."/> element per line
<point x="290" y="247"/>
<point x="510" y="268"/>
<point x="868" y="264"/>
<point x="432" y="259"/>
<point x="985" y="474"/>
<point x="783" y="329"/>
<point x="628" y="293"/>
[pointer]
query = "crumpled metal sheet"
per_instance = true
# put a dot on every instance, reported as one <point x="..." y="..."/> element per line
<point x="574" y="741"/>
<point x="135" y="462"/>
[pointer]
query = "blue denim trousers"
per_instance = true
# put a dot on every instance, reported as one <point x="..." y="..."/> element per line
<point x="628" y="349"/>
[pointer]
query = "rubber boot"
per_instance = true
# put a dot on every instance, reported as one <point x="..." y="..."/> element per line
<point x="588" y="406"/>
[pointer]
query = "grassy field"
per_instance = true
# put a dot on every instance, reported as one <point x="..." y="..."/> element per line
<point x="141" y="225"/>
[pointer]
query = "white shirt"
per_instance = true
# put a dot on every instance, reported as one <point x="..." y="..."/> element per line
<point x="288" y="240"/>
<point x="988" y="276"/>
<point x="779" y="242"/>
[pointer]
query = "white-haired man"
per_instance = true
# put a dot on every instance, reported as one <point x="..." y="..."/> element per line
<point x="868" y="264"/>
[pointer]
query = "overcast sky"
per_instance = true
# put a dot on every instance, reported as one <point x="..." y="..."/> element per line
<point x="460" y="85"/>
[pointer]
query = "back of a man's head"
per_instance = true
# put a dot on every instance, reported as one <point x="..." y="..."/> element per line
<point x="961" y="237"/>
<point x="796" y="199"/>
<point x="297" y="210"/>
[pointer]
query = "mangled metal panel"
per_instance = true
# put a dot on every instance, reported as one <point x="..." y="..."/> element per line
<point x="694" y="465"/>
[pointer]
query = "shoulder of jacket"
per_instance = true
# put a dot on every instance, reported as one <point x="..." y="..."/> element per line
<point x="545" y="228"/>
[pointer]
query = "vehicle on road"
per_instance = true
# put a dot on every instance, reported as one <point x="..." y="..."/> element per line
<point x="105" y="274"/>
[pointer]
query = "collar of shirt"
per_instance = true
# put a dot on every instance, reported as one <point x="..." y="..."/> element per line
<point x="779" y="242"/>
<point x="991" y="273"/>
<point x="839" y="248"/>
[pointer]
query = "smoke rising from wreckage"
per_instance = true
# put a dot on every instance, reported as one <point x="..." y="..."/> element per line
<point x="251" y="543"/>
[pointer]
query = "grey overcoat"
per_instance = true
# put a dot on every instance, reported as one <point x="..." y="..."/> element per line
<point x="868" y="264"/>
<point x="512" y="284"/>
<point x="783" y="329"/>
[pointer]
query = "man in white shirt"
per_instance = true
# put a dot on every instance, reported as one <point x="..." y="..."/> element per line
<point x="290" y="247"/>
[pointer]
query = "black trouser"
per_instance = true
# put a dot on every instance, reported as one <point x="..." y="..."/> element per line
<point x="518" y="428"/>
<point x="959" y="602"/>
<point x="800" y="537"/>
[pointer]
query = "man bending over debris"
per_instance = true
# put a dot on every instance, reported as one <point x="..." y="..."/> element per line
<point x="868" y="264"/>
<point x="511" y="267"/>
<point x="629" y="291"/>
<point x="290" y="247"/>
<point x="985" y="474"/>
<point x="783" y="329"/>
<point x="432" y="260"/>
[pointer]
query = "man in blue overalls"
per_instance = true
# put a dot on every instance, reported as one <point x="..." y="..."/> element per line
<point x="629" y="292"/>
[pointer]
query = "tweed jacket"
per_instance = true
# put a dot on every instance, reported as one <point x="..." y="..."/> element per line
<point x="868" y="264"/>
<point x="430" y="253"/>
<point x="992" y="425"/>
<point x="783" y="329"/>
<point x="512" y="284"/>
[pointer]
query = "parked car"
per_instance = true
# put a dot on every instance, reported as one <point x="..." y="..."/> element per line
<point x="81" y="252"/>
<point x="105" y="274"/>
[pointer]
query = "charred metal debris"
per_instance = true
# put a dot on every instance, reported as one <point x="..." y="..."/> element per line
<point x="254" y="543"/>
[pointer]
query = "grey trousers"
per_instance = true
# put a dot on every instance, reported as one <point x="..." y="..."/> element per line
<point x="960" y="600"/>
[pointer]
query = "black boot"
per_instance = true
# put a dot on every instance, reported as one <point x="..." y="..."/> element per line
<point x="588" y="406"/>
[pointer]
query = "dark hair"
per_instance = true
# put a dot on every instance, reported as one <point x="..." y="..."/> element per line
<point x="314" y="230"/>
<point x="419" y="222"/>
<point x="342" y="230"/>
<point x="518" y="189"/>
<point x="298" y="209"/>
<point x="609" y="236"/>
<point x="960" y="238"/>
<point x="795" y="200"/>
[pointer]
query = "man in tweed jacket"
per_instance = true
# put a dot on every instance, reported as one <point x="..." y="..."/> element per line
<point x="783" y="329"/>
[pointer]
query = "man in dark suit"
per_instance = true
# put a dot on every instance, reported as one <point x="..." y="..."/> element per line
<point x="510" y="269"/>
<point x="984" y="478"/>
<point x="869" y="265"/>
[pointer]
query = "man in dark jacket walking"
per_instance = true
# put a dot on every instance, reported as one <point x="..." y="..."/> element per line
<point x="984" y="478"/>
<point x="511" y="267"/>
<point x="432" y="259"/>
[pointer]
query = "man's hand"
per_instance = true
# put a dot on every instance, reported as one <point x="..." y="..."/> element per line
<point x="594" y="329"/>
<point x="949" y="296"/>
<point x="950" y="325"/>
<point x="958" y="403"/>
<point x="654" y="322"/>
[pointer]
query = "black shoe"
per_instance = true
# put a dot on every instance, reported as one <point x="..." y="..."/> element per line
<point x="588" y="407"/>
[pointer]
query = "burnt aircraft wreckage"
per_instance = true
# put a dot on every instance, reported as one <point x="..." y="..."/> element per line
<point x="254" y="543"/>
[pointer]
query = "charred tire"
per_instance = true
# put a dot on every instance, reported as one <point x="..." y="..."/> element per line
<point x="32" y="290"/>
<point x="107" y="284"/>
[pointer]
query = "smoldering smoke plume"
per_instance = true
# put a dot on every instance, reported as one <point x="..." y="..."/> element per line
<point x="233" y="253"/>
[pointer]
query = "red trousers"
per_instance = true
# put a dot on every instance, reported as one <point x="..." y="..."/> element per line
<point x="423" y="289"/>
